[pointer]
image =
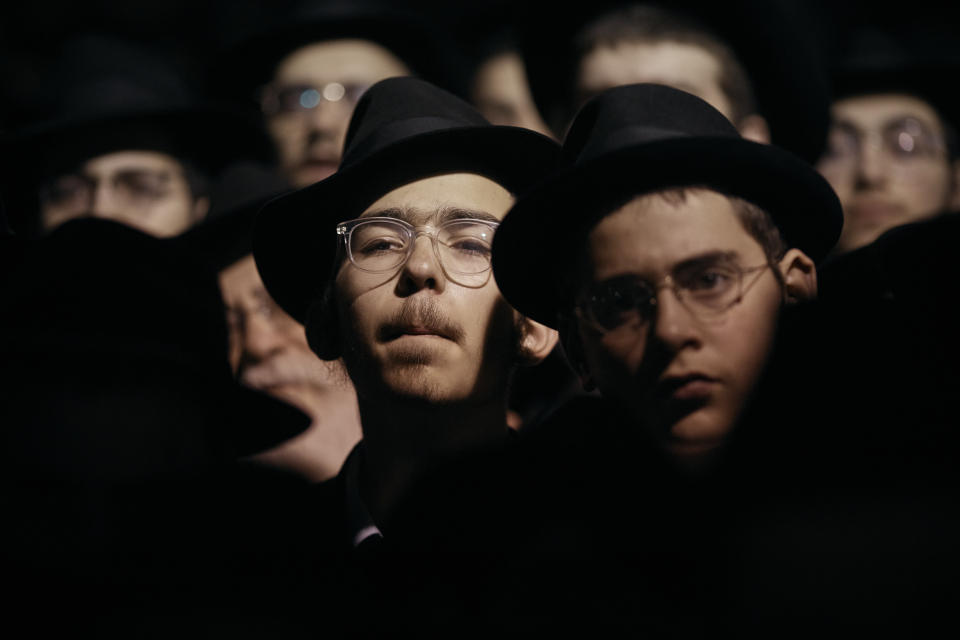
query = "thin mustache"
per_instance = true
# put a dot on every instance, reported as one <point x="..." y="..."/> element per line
<point x="420" y="313"/>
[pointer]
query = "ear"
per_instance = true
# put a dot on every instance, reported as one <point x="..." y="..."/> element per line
<point x="323" y="327"/>
<point x="953" y="204"/>
<point x="573" y="348"/>
<point x="201" y="206"/>
<point x="536" y="343"/>
<point x="799" y="277"/>
<point x="754" y="127"/>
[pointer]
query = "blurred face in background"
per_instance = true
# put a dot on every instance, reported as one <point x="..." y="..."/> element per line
<point x="502" y="95"/>
<point x="309" y="102"/>
<point x="146" y="190"/>
<point x="887" y="159"/>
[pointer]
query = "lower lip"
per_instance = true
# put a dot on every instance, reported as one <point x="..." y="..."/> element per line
<point x="874" y="212"/>
<point x="693" y="390"/>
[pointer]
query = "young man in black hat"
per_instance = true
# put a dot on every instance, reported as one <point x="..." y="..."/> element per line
<point x="892" y="153"/>
<point x="307" y="67"/>
<point x="387" y="264"/>
<point x="122" y="137"/>
<point x="765" y="80"/>
<point x="687" y="241"/>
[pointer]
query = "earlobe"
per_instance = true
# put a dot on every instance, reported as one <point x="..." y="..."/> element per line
<point x="537" y="342"/>
<point x="799" y="277"/>
<point x="201" y="206"/>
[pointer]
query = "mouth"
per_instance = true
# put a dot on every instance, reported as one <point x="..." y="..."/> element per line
<point x="690" y="387"/>
<point x="874" y="210"/>
<point x="390" y="333"/>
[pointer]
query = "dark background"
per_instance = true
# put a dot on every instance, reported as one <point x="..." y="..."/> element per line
<point x="192" y="32"/>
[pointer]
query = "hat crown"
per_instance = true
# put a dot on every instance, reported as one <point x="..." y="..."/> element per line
<point x="632" y="115"/>
<point x="399" y="108"/>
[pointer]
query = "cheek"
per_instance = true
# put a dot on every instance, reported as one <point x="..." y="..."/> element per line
<point x="925" y="192"/>
<point x="614" y="359"/>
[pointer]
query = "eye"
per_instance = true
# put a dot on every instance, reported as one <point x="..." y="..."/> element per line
<point x="468" y="245"/>
<point x="380" y="244"/>
<point x="619" y="303"/>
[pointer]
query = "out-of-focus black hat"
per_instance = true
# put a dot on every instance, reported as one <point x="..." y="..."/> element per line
<point x="766" y="37"/>
<point x="249" y="57"/>
<point x="402" y="130"/>
<point x="917" y="59"/>
<point x="114" y="356"/>
<point x="635" y="139"/>
<point x="226" y="234"/>
<point x="107" y="95"/>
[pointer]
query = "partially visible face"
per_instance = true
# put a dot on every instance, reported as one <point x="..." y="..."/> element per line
<point x="414" y="335"/>
<point x="146" y="190"/>
<point x="502" y="95"/>
<point x="888" y="163"/>
<point x="684" y="378"/>
<point x="268" y="348"/>
<point x="312" y="95"/>
<point x="683" y="66"/>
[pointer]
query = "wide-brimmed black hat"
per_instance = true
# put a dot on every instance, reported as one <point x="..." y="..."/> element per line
<point x="767" y="36"/>
<point x="632" y="140"/>
<point x="402" y="130"/>
<point x="916" y="59"/>
<point x="114" y="352"/>
<point x="105" y="95"/>
<point x="251" y="53"/>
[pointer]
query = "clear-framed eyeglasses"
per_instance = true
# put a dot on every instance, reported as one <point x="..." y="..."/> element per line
<point x="902" y="141"/>
<point x="706" y="289"/>
<point x="278" y="99"/>
<point x="383" y="245"/>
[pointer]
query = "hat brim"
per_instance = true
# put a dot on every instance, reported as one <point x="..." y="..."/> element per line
<point x="535" y="245"/>
<point x="294" y="240"/>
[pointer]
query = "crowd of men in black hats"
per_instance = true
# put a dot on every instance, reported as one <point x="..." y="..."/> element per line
<point x="631" y="317"/>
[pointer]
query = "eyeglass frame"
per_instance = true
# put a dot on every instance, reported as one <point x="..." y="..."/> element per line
<point x="269" y="102"/>
<point x="876" y="139"/>
<point x="668" y="282"/>
<point x="345" y="232"/>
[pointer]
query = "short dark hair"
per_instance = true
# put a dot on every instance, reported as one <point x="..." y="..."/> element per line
<point x="652" y="24"/>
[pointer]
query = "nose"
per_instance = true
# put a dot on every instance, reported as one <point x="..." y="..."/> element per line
<point x="422" y="270"/>
<point x="872" y="164"/>
<point x="328" y="121"/>
<point x="674" y="325"/>
<point x="104" y="202"/>
<point x="260" y="339"/>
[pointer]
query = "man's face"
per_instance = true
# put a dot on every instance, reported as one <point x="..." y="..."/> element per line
<point x="311" y="98"/>
<point x="146" y="190"/>
<point x="682" y="66"/>
<point x="413" y="334"/>
<point x="268" y="348"/>
<point x="683" y="375"/>
<point x="887" y="161"/>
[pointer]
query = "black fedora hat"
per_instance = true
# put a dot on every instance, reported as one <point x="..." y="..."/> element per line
<point x="251" y="52"/>
<point x="403" y="129"/>
<point x="768" y="37"/>
<point x="106" y="94"/>
<point x="114" y="346"/>
<point x="635" y="139"/>
<point x="918" y="59"/>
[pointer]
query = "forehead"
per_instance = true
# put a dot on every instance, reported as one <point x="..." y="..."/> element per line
<point x="650" y="235"/>
<point x="131" y="161"/>
<point x="876" y="110"/>
<point x="684" y="66"/>
<point x="340" y="60"/>
<point x="421" y="200"/>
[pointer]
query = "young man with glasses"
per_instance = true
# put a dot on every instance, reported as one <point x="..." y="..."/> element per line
<point x="387" y="263"/>
<point x="892" y="148"/>
<point x="305" y="68"/>
<point x="665" y="253"/>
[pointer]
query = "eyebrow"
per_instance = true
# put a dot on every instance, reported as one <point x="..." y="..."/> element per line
<point x="443" y="214"/>
<point x="706" y="259"/>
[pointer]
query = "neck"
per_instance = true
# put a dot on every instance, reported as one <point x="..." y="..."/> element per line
<point x="403" y="440"/>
